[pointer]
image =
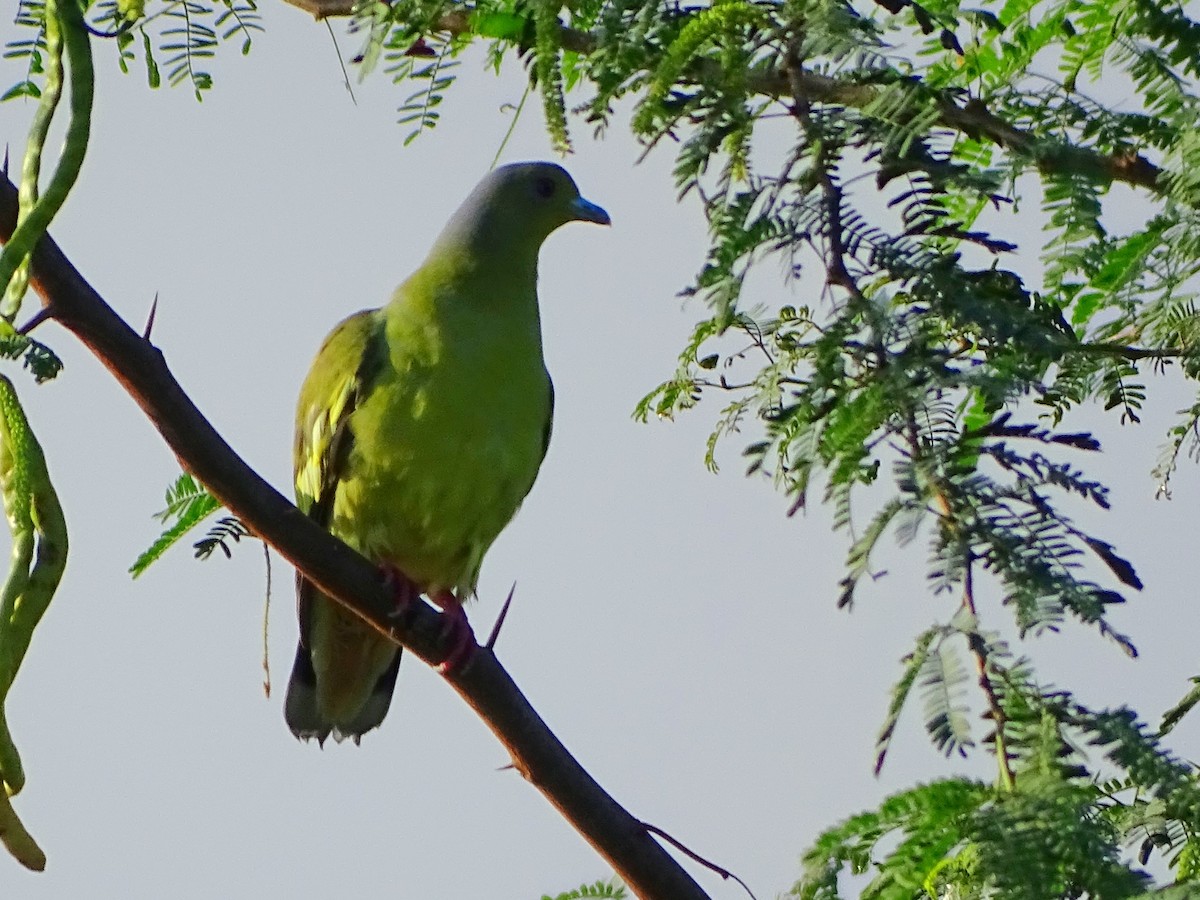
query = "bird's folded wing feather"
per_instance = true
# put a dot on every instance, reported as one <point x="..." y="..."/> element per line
<point x="340" y="378"/>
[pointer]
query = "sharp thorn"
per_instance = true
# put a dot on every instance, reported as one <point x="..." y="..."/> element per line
<point x="36" y="319"/>
<point x="150" y="318"/>
<point x="491" y="641"/>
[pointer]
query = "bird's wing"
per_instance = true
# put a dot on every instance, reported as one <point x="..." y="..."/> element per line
<point x="546" y="434"/>
<point x="341" y="375"/>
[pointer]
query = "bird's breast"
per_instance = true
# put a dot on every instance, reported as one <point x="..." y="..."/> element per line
<point x="444" y="452"/>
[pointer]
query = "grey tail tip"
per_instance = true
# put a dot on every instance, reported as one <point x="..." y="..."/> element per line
<point x="320" y="735"/>
<point x="300" y="712"/>
<point x="307" y="722"/>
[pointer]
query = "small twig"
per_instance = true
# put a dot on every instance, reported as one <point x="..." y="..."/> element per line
<point x="1130" y="353"/>
<point x="696" y="857"/>
<point x="724" y="385"/>
<point x="46" y="312"/>
<point x="342" y="63"/>
<point x="124" y="28"/>
<point x="491" y="641"/>
<point x="979" y="650"/>
<point x="512" y="126"/>
<point x="150" y="318"/>
<point x="836" y="271"/>
<point x="266" y="660"/>
<point x="757" y="339"/>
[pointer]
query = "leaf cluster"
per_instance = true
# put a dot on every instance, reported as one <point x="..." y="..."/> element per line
<point x="178" y="37"/>
<point x="611" y="890"/>
<point x="921" y="386"/>
<point x="916" y="367"/>
<point x="1086" y="785"/>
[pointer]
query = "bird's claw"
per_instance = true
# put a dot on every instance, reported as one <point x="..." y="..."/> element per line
<point x="402" y="588"/>
<point x="457" y="630"/>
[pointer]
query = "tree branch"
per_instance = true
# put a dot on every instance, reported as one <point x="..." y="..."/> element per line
<point x="1129" y="352"/>
<point x="973" y="118"/>
<point x="346" y="576"/>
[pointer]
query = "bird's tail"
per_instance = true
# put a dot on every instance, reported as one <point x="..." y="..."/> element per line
<point x="303" y="712"/>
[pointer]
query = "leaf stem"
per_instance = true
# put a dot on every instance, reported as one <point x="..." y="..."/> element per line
<point x="979" y="649"/>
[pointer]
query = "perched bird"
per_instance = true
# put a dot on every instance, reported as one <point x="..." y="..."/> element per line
<point x="420" y="429"/>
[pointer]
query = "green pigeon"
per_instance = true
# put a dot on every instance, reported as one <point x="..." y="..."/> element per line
<point x="420" y="429"/>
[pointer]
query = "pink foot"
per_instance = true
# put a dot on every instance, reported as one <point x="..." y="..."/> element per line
<point x="458" y="630"/>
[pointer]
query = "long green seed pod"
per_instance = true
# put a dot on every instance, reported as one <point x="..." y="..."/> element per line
<point x="16" y="486"/>
<point x="17" y="840"/>
<point x="78" y="48"/>
<point x="49" y="526"/>
<point x="39" y="555"/>
<point x="39" y="531"/>
<point x="31" y="167"/>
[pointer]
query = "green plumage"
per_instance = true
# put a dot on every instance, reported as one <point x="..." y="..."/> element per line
<point x="420" y="429"/>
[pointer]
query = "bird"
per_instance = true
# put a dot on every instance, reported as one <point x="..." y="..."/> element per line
<point x="420" y="429"/>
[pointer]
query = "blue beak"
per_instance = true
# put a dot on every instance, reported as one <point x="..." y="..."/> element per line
<point x="586" y="211"/>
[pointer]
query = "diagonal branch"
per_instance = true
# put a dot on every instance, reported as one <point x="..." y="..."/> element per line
<point x="972" y="118"/>
<point x="345" y="576"/>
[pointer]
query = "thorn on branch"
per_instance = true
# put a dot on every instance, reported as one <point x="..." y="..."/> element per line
<point x="46" y="312"/>
<point x="150" y="319"/>
<point x="491" y="641"/>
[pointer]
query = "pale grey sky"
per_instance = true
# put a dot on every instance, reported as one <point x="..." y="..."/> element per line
<point x="674" y="627"/>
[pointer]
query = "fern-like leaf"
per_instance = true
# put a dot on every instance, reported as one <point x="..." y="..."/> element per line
<point x="228" y="530"/>
<point x="188" y="504"/>
<point x="941" y="678"/>
<point x="600" y="890"/>
<point x="914" y="663"/>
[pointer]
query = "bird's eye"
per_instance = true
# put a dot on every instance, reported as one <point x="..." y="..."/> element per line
<point x="544" y="187"/>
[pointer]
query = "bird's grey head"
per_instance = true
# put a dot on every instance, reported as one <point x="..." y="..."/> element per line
<point x="516" y="207"/>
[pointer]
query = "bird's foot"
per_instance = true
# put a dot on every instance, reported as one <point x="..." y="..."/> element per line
<point x="403" y="589"/>
<point x="457" y="630"/>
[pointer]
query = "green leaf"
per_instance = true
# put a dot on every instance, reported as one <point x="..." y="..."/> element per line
<point x="913" y="663"/>
<point x="941" y="678"/>
<point x="1175" y="714"/>
<point x="153" y="78"/>
<point x="600" y="890"/>
<point x="499" y="25"/>
<point x="188" y="504"/>
<point x="22" y="89"/>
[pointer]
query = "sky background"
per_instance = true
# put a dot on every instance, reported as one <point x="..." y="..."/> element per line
<point x="672" y="626"/>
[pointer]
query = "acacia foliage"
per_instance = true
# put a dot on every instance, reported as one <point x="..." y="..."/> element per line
<point x="931" y="367"/>
<point x="878" y="152"/>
